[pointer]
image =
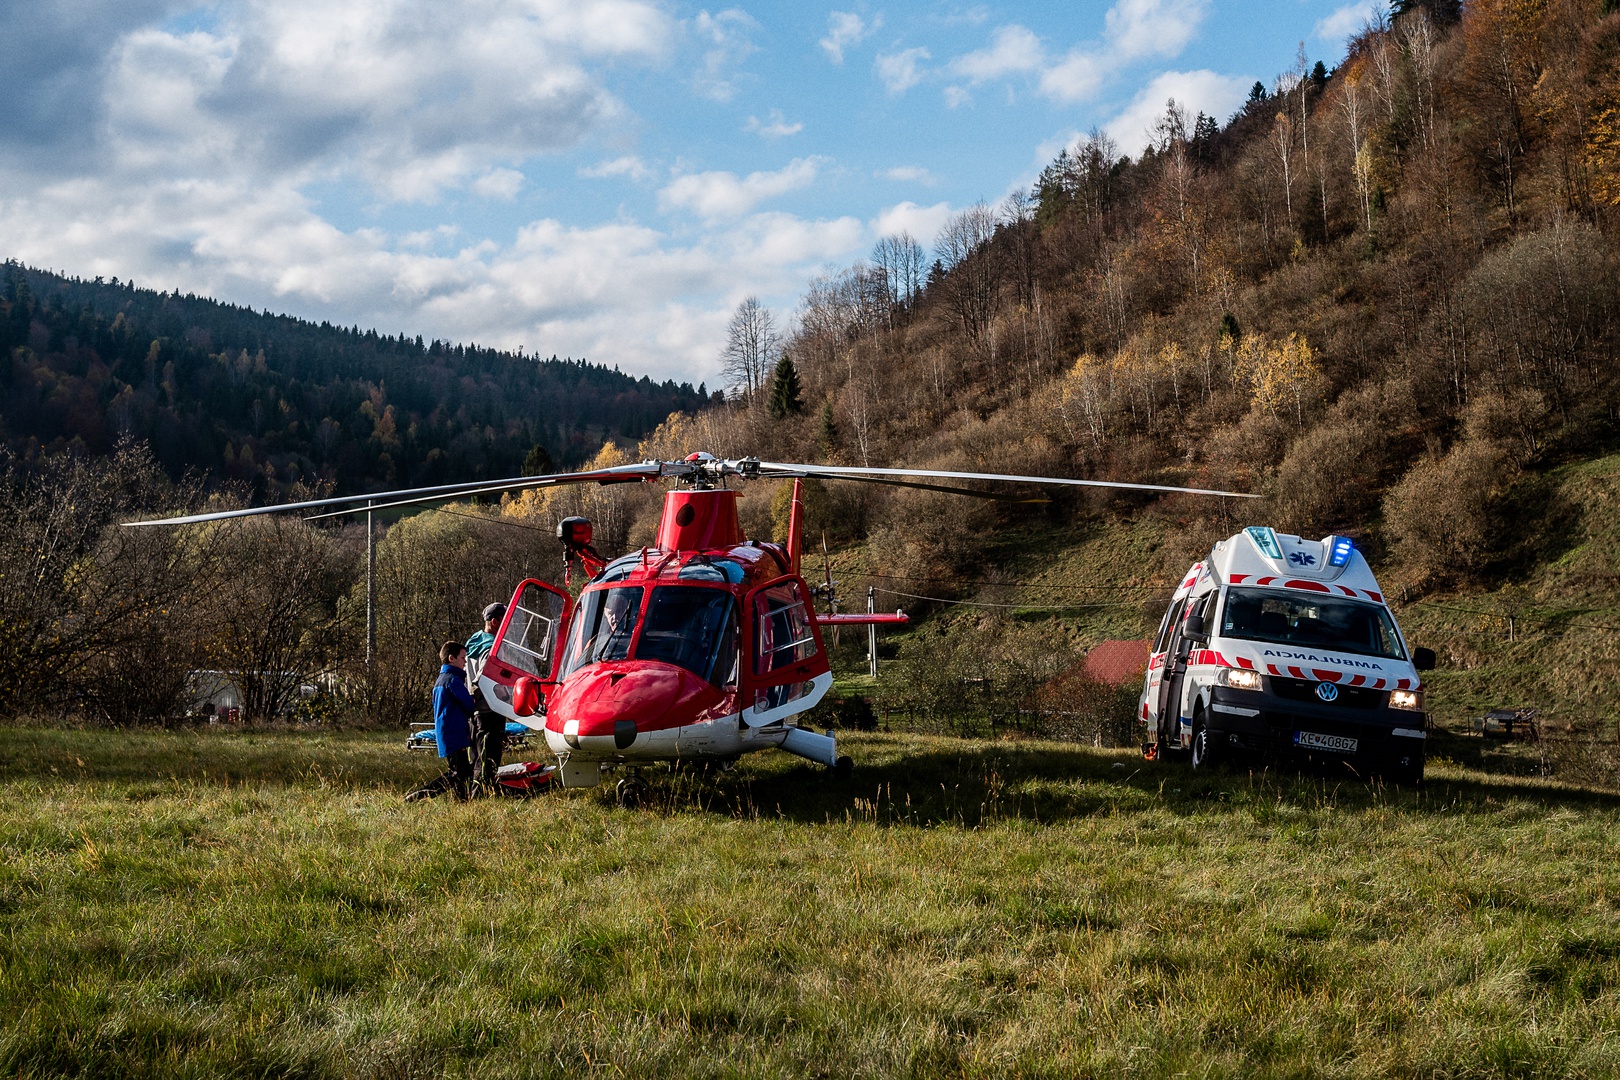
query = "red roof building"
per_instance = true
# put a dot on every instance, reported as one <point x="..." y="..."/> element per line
<point x="1117" y="662"/>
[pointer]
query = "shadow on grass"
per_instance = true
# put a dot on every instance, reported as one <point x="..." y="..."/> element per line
<point x="142" y="760"/>
<point x="899" y="779"/>
<point x="979" y="783"/>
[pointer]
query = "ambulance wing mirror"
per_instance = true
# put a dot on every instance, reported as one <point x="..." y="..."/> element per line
<point x="1193" y="630"/>
<point x="1423" y="659"/>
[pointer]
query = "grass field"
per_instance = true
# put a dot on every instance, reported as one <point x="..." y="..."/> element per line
<point x="207" y="903"/>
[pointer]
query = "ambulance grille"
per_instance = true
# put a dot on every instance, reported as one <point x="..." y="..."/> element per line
<point x="1350" y="697"/>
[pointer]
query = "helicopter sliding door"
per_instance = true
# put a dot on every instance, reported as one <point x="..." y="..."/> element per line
<point x="785" y="669"/>
<point x="525" y="649"/>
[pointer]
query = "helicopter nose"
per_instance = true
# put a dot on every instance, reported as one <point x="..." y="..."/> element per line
<point x="608" y="708"/>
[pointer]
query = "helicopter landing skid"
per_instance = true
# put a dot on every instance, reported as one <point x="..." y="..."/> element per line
<point x="822" y="749"/>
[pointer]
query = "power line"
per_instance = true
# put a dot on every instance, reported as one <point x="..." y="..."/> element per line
<point x="491" y="520"/>
<point x="1016" y="584"/>
<point x="986" y="604"/>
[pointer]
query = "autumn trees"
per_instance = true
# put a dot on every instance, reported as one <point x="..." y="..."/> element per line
<point x="1337" y="281"/>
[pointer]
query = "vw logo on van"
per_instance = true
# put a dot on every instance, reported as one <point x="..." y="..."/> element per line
<point x="1327" y="691"/>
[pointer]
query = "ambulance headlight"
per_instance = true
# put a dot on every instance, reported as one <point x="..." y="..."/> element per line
<point x="1406" y="699"/>
<point x="1239" y="678"/>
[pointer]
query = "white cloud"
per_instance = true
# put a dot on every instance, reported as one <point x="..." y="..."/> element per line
<point x="902" y="70"/>
<point x="1074" y="78"/>
<point x="1013" y="50"/>
<point x="845" y="29"/>
<point x="428" y="239"/>
<point x="619" y="293"/>
<point x="907" y="174"/>
<point x="1134" y="30"/>
<point x="204" y="146"/>
<point x="922" y="222"/>
<point x="499" y="184"/>
<point x="774" y="127"/>
<point x="1050" y="148"/>
<point x="629" y="165"/>
<point x="718" y="196"/>
<point x="727" y="40"/>
<point x="1343" y="22"/>
<point x="411" y="96"/>
<point x="1197" y="91"/>
<point x="1138" y="28"/>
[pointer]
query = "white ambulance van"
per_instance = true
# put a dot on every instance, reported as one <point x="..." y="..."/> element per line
<point x="1282" y="647"/>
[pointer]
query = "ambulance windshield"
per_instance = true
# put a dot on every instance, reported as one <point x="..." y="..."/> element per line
<point x="1310" y="622"/>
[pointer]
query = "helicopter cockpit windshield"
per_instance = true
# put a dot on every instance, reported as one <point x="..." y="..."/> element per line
<point x="604" y="625"/>
<point x="691" y="628"/>
<point x="688" y="626"/>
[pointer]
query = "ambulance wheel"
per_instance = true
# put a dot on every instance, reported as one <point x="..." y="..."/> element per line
<point x="631" y="792"/>
<point x="1205" y="754"/>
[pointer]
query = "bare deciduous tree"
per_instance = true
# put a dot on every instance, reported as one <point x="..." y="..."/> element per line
<point x="972" y="282"/>
<point x="751" y="344"/>
<point x="899" y="258"/>
<point x="276" y="625"/>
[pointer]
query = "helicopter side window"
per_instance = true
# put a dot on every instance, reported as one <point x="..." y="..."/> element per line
<point x="619" y="568"/>
<point x="690" y="627"/>
<point x="782" y="632"/>
<point x="531" y="632"/>
<point x="603" y="627"/>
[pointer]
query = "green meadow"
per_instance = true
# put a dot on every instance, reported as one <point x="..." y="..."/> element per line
<point x="205" y="903"/>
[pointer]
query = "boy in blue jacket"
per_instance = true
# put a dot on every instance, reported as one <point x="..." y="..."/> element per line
<point x="453" y="709"/>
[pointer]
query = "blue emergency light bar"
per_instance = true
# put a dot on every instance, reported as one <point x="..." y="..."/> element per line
<point x="1341" y="550"/>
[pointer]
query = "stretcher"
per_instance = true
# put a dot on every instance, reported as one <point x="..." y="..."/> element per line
<point x="518" y="737"/>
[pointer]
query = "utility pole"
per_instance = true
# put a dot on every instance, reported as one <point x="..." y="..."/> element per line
<point x="871" y="631"/>
<point x="371" y="585"/>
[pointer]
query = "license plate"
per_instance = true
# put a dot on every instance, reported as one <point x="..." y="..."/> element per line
<point x="1312" y="741"/>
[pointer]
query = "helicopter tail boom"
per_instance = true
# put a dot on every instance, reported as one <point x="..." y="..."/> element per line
<point x="861" y="618"/>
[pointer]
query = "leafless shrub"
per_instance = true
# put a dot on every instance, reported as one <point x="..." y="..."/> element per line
<point x="1445" y="515"/>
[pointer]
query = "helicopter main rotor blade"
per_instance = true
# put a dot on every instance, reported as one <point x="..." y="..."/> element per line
<point x="645" y="470"/>
<point x="599" y="477"/>
<point x="999" y="496"/>
<point x="775" y="470"/>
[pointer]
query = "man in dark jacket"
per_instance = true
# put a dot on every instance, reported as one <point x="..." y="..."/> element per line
<point x="452" y="724"/>
<point x="489" y="726"/>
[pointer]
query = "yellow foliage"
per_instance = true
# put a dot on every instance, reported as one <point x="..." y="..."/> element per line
<point x="1279" y="374"/>
<point x="713" y="430"/>
<point x="1603" y="156"/>
<point x="542" y="502"/>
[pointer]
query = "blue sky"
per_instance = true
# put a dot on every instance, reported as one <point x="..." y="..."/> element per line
<point x="597" y="178"/>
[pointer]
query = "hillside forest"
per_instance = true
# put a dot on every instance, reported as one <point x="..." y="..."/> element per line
<point x="266" y="402"/>
<point x="1385" y="294"/>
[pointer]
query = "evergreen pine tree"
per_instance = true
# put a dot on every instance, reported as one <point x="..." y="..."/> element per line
<point x="537" y="462"/>
<point x="785" y="400"/>
<point x="827" y="439"/>
<point x="1257" y="93"/>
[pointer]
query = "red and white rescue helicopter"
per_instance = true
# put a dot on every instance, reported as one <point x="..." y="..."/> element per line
<point x="700" y="648"/>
